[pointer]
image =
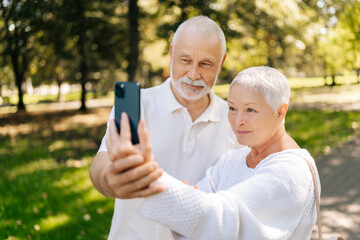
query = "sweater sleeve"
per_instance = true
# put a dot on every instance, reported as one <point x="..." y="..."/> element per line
<point x="190" y="212"/>
<point x="271" y="204"/>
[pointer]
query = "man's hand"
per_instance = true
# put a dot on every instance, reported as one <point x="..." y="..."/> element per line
<point x="128" y="170"/>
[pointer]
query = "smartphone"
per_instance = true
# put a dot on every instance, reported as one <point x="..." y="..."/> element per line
<point x="127" y="99"/>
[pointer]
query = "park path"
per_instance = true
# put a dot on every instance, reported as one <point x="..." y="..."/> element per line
<point x="340" y="194"/>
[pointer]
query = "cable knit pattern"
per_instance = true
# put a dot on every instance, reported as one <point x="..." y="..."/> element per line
<point x="275" y="200"/>
<point x="178" y="200"/>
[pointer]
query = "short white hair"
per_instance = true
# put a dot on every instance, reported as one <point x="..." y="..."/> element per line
<point x="202" y="25"/>
<point x="269" y="81"/>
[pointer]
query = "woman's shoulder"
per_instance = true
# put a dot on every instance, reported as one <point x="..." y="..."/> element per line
<point x="288" y="162"/>
<point x="234" y="156"/>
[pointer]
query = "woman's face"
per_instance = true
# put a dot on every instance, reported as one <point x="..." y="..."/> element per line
<point x="252" y="119"/>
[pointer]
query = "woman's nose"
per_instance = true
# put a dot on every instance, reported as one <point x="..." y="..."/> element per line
<point x="239" y="119"/>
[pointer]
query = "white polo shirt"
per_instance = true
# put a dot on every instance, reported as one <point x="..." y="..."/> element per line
<point x="183" y="148"/>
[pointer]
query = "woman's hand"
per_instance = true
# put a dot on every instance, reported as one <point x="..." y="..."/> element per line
<point x="132" y="168"/>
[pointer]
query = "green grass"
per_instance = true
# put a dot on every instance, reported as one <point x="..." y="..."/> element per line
<point x="320" y="131"/>
<point x="46" y="192"/>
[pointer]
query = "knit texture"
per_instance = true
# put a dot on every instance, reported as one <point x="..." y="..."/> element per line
<point x="275" y="200"/>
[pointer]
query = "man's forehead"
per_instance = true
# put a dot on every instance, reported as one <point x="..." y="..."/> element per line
<point x="190" y="43"/>
<point x="190" y="54"/>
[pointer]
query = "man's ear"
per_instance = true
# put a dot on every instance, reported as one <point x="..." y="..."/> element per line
<point x="223" y="60"/>
<point x="171" y="48"/>
<point x="282" y="111"/>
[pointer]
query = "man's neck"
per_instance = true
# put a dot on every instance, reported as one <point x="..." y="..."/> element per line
<point x="195" y="108"/>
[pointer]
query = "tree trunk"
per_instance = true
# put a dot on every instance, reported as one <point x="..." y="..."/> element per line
<point x="16" y="59"/>
<point x="333" y="80"/>
<point x="357" y="70"/>
<point x="19" y="74"/>
<point x="325" y="83"/>
<point x="81" y="50"/>
<point x="19" y="82"/>
<point x="58" y="82"/>
<point x="133" y="39"/>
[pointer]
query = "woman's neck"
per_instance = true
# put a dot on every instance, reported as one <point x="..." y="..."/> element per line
<point x="279" y="142"/>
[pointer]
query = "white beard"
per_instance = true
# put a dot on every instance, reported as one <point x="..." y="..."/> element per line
<point x="189" y="93"/>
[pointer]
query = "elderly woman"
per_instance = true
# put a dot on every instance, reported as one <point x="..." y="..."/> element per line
<point x="263" y="191"/>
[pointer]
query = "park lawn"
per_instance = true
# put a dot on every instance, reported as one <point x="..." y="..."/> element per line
<point x="46" y="192"/>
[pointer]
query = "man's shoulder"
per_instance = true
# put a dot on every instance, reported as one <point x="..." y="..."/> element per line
<point x="153" y="91"/>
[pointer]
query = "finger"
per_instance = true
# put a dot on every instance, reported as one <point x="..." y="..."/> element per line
<point x="125" y="133"/>
<point x="137" y="173"/>
<point x="145" y="143"/>
<point x="196" y="187"/>
<point x="120" y="183"/>
<point x="127" y="163"/>
<point x="148" y="191"/>
<point x="144" y="182"/>
<point x="186" y="182"/>
<point x="112" y="134"/>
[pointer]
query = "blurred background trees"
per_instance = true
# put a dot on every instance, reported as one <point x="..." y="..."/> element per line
<point x="95" y="43"/>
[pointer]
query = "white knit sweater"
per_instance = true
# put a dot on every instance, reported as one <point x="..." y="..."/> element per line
<point x="275" y="200"/>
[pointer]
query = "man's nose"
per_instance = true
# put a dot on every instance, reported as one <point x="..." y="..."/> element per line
<point x="194" y="72"/>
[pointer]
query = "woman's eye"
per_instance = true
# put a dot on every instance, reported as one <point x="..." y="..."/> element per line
<point x="250" y="110"/>
<point x="232" y="109"/>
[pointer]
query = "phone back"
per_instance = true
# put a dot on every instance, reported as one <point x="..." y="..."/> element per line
<point x="127" y="99"/>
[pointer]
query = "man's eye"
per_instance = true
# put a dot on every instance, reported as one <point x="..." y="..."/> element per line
<point x="205" y="64"/>
<point x="184" y="60"/>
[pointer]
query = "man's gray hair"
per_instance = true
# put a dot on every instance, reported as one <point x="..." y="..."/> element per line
<point x="204" y="26"/>
<point x="269" y="81"/>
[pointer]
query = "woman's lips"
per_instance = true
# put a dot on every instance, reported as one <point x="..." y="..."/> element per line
<point x="241" y="133"/>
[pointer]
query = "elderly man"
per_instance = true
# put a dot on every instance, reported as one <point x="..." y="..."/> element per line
<point x="187" y="127"/>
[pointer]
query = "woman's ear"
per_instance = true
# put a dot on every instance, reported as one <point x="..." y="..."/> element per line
<point x="282" y="111"/>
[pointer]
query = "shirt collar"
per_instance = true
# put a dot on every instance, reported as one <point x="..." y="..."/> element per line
<point x="171" y="100"/>
<point x="211" y="114"/>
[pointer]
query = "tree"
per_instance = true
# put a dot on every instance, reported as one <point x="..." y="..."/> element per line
<point x="349" y="20"/>
<point x="19" y="34"/>
<point x="133" y="55"/>
<point x="94" y="39"/>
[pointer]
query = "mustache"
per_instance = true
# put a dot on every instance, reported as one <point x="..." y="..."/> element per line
<point x="187" y="80"/>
